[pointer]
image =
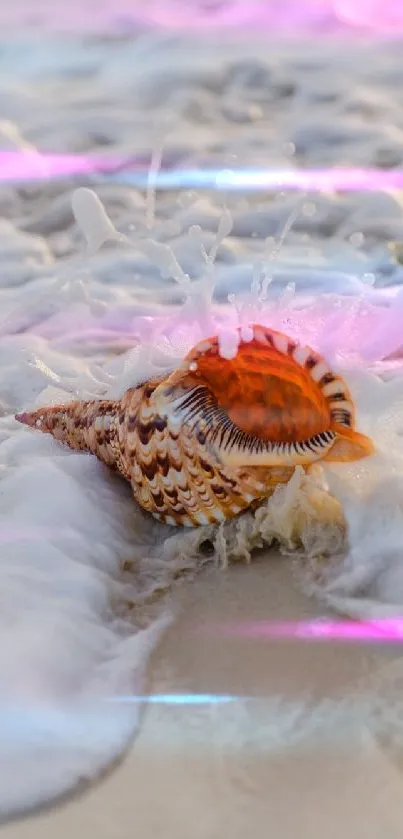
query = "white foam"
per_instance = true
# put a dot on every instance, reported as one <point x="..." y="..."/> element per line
<point x="65" y="528"/>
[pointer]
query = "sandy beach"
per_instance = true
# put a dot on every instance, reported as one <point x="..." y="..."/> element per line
<point x="215" y="771"/>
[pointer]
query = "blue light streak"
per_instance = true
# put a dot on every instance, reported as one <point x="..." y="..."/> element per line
<point x="178" y="699"/>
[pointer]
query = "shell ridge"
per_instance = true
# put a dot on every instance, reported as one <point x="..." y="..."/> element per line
<point x="200" y="406"/>
<point x="320" y="373"/>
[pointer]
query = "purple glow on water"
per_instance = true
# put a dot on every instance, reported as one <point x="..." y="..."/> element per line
<point x="386" y="630"/>
<point x="272" y="16"/>
<point x="33" y="166"/>
<point x="236" y="14"/>
<point x="372" y="14"/>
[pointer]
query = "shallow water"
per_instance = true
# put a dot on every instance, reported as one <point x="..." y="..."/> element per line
<point x="79" y="319"/>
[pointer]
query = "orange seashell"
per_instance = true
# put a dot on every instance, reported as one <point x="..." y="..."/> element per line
<point x="276" y="391"/>
<point x="217" y="435"/>
<point x="265" y="391"/>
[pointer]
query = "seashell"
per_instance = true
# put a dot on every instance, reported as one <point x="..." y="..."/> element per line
<point x="217" y="435"/>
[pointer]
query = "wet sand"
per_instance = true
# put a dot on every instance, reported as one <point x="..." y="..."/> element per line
<point x="217" y="770"/>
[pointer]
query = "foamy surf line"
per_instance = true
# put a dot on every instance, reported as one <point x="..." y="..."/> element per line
<point x="66" y="643"/>
<point x="62" y="647"/>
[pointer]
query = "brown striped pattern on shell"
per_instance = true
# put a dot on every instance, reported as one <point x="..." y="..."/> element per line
<point x="173" y="472"/>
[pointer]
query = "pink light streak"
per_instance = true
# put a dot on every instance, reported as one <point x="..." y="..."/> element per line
<point x="32" y="165"/>
<point x="267" y="16"/>
<point x="384" y="631"/>
<point x="16" y="166"/>
<point x="378" y="15"/>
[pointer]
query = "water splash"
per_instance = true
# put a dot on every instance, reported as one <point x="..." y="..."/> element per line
<point x="305" y="518"/>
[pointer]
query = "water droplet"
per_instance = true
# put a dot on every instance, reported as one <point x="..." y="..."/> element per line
<point x="289" y="149"/>
<point x="246" y="333"/>
<point x="228" y="343"/>
<point x="255" y="112"/>
<point x="357" y="239"/>
<point x="92" y="218"/>
<point x="195" y="230"/>
<point x="309" y="209"/>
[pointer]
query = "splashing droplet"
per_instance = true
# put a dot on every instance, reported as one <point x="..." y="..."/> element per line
<point x="93" y="220"/>
<point x="228" y="343"/>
